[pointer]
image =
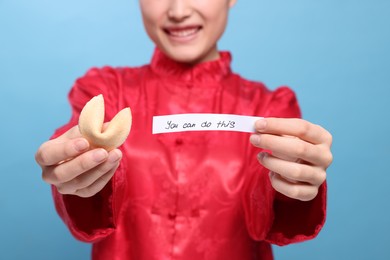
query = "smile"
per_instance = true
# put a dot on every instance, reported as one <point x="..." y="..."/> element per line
<point x="184" y="32"/>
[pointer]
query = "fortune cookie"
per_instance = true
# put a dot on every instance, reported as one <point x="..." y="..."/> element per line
<point x="113" y="134"/>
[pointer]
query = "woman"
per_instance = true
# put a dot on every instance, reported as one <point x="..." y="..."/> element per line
<point x="193" y="195"/>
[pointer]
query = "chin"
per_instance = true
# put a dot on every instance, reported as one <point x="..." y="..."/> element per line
<point x="184" y="56"/>
<point x="188" y="57"/>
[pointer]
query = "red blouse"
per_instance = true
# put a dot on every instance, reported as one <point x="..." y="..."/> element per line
<point x="189" y="195"/>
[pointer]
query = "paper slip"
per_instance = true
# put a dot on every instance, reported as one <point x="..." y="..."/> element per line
<point x="203" y="122"/>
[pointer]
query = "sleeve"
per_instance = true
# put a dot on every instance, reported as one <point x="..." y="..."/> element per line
<point x="90" y="219"/>
<point x="271" y="216"/>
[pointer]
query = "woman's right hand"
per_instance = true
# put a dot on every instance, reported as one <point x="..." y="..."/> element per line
<point x="69" y="165"/>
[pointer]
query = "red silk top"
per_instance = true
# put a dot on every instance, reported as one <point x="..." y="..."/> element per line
<point x="189" y="195"/>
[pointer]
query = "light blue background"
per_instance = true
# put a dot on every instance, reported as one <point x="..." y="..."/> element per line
<point x="334" y="53"/>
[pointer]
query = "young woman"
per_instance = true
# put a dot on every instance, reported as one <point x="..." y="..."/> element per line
<point x="189" y="195"/>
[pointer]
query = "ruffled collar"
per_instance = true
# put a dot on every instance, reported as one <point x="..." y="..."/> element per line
<point x="207" y="71"/>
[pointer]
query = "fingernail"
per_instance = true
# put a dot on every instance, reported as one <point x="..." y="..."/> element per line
<point x="261" y="156"/>
<point x="81" y="145"/>
<point x="254" y="139"/>
<point x="115" y="156"/>
<point x="261" y="124"/>
<point x="99" y="155"/>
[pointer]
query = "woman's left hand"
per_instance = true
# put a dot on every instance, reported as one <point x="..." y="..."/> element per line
<point x="300" y="155"/>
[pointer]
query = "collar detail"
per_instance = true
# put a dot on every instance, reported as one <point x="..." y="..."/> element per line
<point x="207" y="71"/>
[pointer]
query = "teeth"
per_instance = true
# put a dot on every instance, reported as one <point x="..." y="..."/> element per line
<point x="183" y="33"/>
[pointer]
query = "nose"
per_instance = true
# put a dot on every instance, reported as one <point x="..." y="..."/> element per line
<point x="179" y="10"/>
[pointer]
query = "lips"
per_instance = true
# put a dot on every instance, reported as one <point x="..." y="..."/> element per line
<point x="182" y="32"/>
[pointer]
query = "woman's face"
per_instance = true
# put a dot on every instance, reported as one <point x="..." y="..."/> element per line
<point x="186" y="30"/>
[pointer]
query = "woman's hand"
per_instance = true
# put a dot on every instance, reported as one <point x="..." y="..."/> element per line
<point x="300" y="155"/>
<point x="69" y="165"/>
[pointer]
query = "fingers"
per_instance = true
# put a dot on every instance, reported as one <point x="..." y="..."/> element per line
<point x="72" y="133"/>
<point x="56" y="151"/>
<point x="62" y="148"/>
<point x="70" y="169"/>
<point x="299" y="191"/>
<point x="91" y="181"/>
<point x="293" y="148"/>
<point x="97" y="186"/>
<point x="293" y="171"/>
<point x="68" y="164"/>
<point x="300" y="155"/>
<point x="300" y="128"/>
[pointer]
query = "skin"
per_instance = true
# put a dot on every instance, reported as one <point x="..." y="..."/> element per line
<point x="300" y="155"/>
<point x="208" y="18"/>
<point x="188" y="31"/>
<point x="69" y="165"/>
